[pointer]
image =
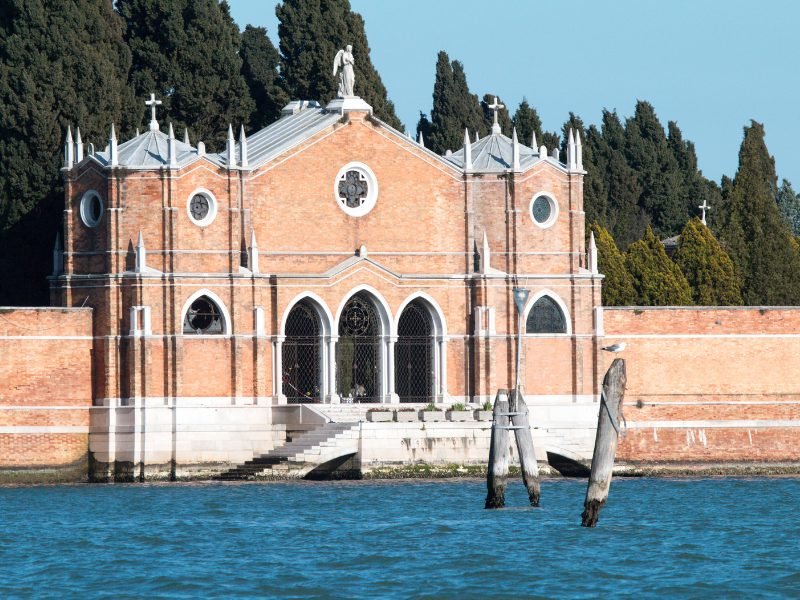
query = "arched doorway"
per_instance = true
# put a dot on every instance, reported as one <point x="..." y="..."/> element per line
<point x="302" y="355"/>
<point x="358" y="351"/>
<point x="414" y="355"/>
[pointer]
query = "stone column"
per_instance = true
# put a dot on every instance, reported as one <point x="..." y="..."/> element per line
<point x="333" y="396"/>
<point x="391" y="394"/>
<point x="278" y="369"/>
<point x="442" y="343"/>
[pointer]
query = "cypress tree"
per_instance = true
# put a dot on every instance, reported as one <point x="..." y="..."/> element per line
<point x="61" y="63"/>
<point x="596" y="154"/>
<point x="657" y="280"/>
<point x="187" y="52"/>
<point x="618" y="287"/>
<point x="527" y="122"/>
<point x="551" y="140"/>
<point x="310" y="33"/>
<point x="759" y="242"/>
<point x="789" y="206"/>
<point x="260" y="61"/>
<point x="707" y="267"/>
<point x="574" y="123"/>
<point x="503" y="117"/>
<point x="454" y="108"/>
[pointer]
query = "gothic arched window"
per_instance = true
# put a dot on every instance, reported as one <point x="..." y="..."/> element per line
<point x="203" y="317"/>
<point x="546" y="316"/>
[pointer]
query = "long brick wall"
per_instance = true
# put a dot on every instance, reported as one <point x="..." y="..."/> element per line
<point x="714" y="385"/>
<point x="45" y="394"/>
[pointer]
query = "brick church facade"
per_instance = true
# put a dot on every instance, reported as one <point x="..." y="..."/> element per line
<point x="205" y="304"/>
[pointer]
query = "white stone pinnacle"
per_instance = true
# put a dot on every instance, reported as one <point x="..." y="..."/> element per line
<point x="186" y="136"/>
<point x="78" y="145"/>
<point x="515" y="164"/>
<point x="467" y="151"/>
<point x="243" y="143"/>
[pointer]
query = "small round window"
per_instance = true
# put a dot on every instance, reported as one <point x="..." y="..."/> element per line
<point x="356" y="189"/>
<point x="544" y="210"/>
<point x="202" y="207"/>
<point x="203" y="317"/>
<point x="91" y="209"/>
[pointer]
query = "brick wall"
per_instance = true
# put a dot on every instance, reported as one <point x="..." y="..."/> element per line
<point x="46" y="393"/>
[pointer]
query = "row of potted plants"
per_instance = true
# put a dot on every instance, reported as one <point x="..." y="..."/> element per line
<point x="432" y="412"/>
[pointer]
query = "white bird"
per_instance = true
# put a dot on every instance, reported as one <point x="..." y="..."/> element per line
<point x="615" y="347"/>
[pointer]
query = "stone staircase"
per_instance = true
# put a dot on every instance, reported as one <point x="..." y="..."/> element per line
<point x="302" y="455"/>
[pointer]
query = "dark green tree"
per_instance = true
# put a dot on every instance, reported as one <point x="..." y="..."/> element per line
<point x="753" y="232"/>
<point x="618" y="287"/>
<point x="789" y="206"/>
<point x="61" y="63"/>
<point x="707" y="267"/>
<point x="574" y="123"/>
<point x="311" y="32"/>
<point x="260" y="62"/>
<point x="694" y="189"/>
<point x="454" y="108"/>
<point x="550" y="140"/>
<point x="187" y="52"/>
<point x="658" y="281"/>
<point x="503" y="117"/>
<point x="527" y="122"/>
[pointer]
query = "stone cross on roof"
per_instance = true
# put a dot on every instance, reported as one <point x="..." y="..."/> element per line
<point x="704" y="207"/>
<point x="152" y="103"/>
<point x="495" y="106"/>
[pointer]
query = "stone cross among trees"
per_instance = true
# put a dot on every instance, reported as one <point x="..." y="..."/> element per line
<point x="496" y="106"/>
<point x="152" y="103"/>
<point x="704" y="207"/>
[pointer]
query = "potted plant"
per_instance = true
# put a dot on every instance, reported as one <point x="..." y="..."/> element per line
<point x="432" y="413"/>
<point x="379" y="415"/>
<point x="484" y="413"/>
<point x="459" y="412"/>
<point x="405" y="415"/>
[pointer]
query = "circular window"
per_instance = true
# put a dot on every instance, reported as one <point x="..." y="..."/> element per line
<point x="91" y="209"/>
<point x="356" y="189"/>
<point x="544" y="210"/>
<point x="202" y="207"/>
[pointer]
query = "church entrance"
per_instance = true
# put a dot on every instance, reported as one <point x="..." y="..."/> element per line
<point x="302" y="356"/>
<point x="358" y="352"/>
<point x="414" y="355"/>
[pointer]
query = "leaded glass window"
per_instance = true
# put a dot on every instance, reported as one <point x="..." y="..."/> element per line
<point x="353" y="188"/>
<point x="546" y="316"/>
<point x="199" y="207"/>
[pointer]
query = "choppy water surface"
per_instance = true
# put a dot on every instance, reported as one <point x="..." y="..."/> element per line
<point x="671" y="538"/>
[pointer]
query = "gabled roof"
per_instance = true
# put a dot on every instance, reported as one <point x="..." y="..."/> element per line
<point x="494" y="153"/>
<point x="150" y="150"/>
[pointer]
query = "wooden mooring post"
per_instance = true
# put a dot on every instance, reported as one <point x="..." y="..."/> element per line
<point x="605" y="443"/>
<point x="527" y="457"/>
<point x="497" y="473"/>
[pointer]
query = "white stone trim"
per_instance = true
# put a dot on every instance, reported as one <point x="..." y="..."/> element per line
<point x="372" y="189"/>
<point x="554" y="210"/>
<point x="561" y="304"/>
<point x="226" y="317"/>
<point x="86" y="199"/>
<point x="212" y="207"/>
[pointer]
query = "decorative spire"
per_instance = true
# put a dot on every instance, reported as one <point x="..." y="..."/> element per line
<point x="572" y="158"/>
<point x="186" y="136"/>
<point x="253" y="252"/>
<point x="152" y="103"/>
<point x="141" y="255"/>
<point x="578" y="151"/>
<point x="78" y="145"/>
<point x="476" y="136"/>
<point x="467" y="151"/>
<point x="592" y="254"/>
<point x="231" y="148"/>
<point x="58" y="256"/>
<point x="243" y="144"/>
<point x="533" y="140"/>
<point x="495" y="106"/>
<point x="69" y="149"/>
<point x="137" y="132"/>
<point x="113" y="156"/>
<point x="515" y="152"/>
<point x="172" y="150"/>
<point x="420" y="140"/>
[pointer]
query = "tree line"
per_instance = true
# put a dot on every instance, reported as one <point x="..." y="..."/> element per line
<point x="90" y="63"/>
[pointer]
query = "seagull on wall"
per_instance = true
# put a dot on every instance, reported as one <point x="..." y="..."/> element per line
<point x="615" y="347"/>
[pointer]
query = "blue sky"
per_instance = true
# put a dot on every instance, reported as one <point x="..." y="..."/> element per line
<point x="710" y="65"/>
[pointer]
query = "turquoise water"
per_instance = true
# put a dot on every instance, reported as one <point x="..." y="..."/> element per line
<point x="656" y="538"/>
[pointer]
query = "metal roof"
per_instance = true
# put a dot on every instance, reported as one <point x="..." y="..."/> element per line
<point x="494" y="153"/>
<point x="149" y="150"/>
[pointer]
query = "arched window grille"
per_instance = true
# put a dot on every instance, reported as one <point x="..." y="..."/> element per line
<point x="414" y="355"/>
<point x="302" y="357"/>
<point x="546" y="316"/>
<point x="203" y="317"/>
<point x="358" y="353"/>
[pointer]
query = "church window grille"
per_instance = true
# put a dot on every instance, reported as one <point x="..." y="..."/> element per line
<point x="356" y="189"/>
<point x="414" y="355"/>
<point x="544" y="210"/>
<point x="546" y="316"/>
<point x="201" y="207"/>
<point x="91" y="209"/>
<point x="302" y="357"/>
<point x="358" y="352"/>
<point x="203" y="318"/>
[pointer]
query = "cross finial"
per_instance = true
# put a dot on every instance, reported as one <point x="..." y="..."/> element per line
<point x="704" y="207"/>
<point x="152" y="103"/>
<point x="495" y="106"/>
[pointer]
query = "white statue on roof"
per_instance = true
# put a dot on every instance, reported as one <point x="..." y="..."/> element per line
<point x="343" y="63"/>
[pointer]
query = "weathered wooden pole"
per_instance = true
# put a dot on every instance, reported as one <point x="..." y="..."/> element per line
<point x="522" y="433"/>
<point x="605" y="442"/>
<point x="497" y="472"/>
